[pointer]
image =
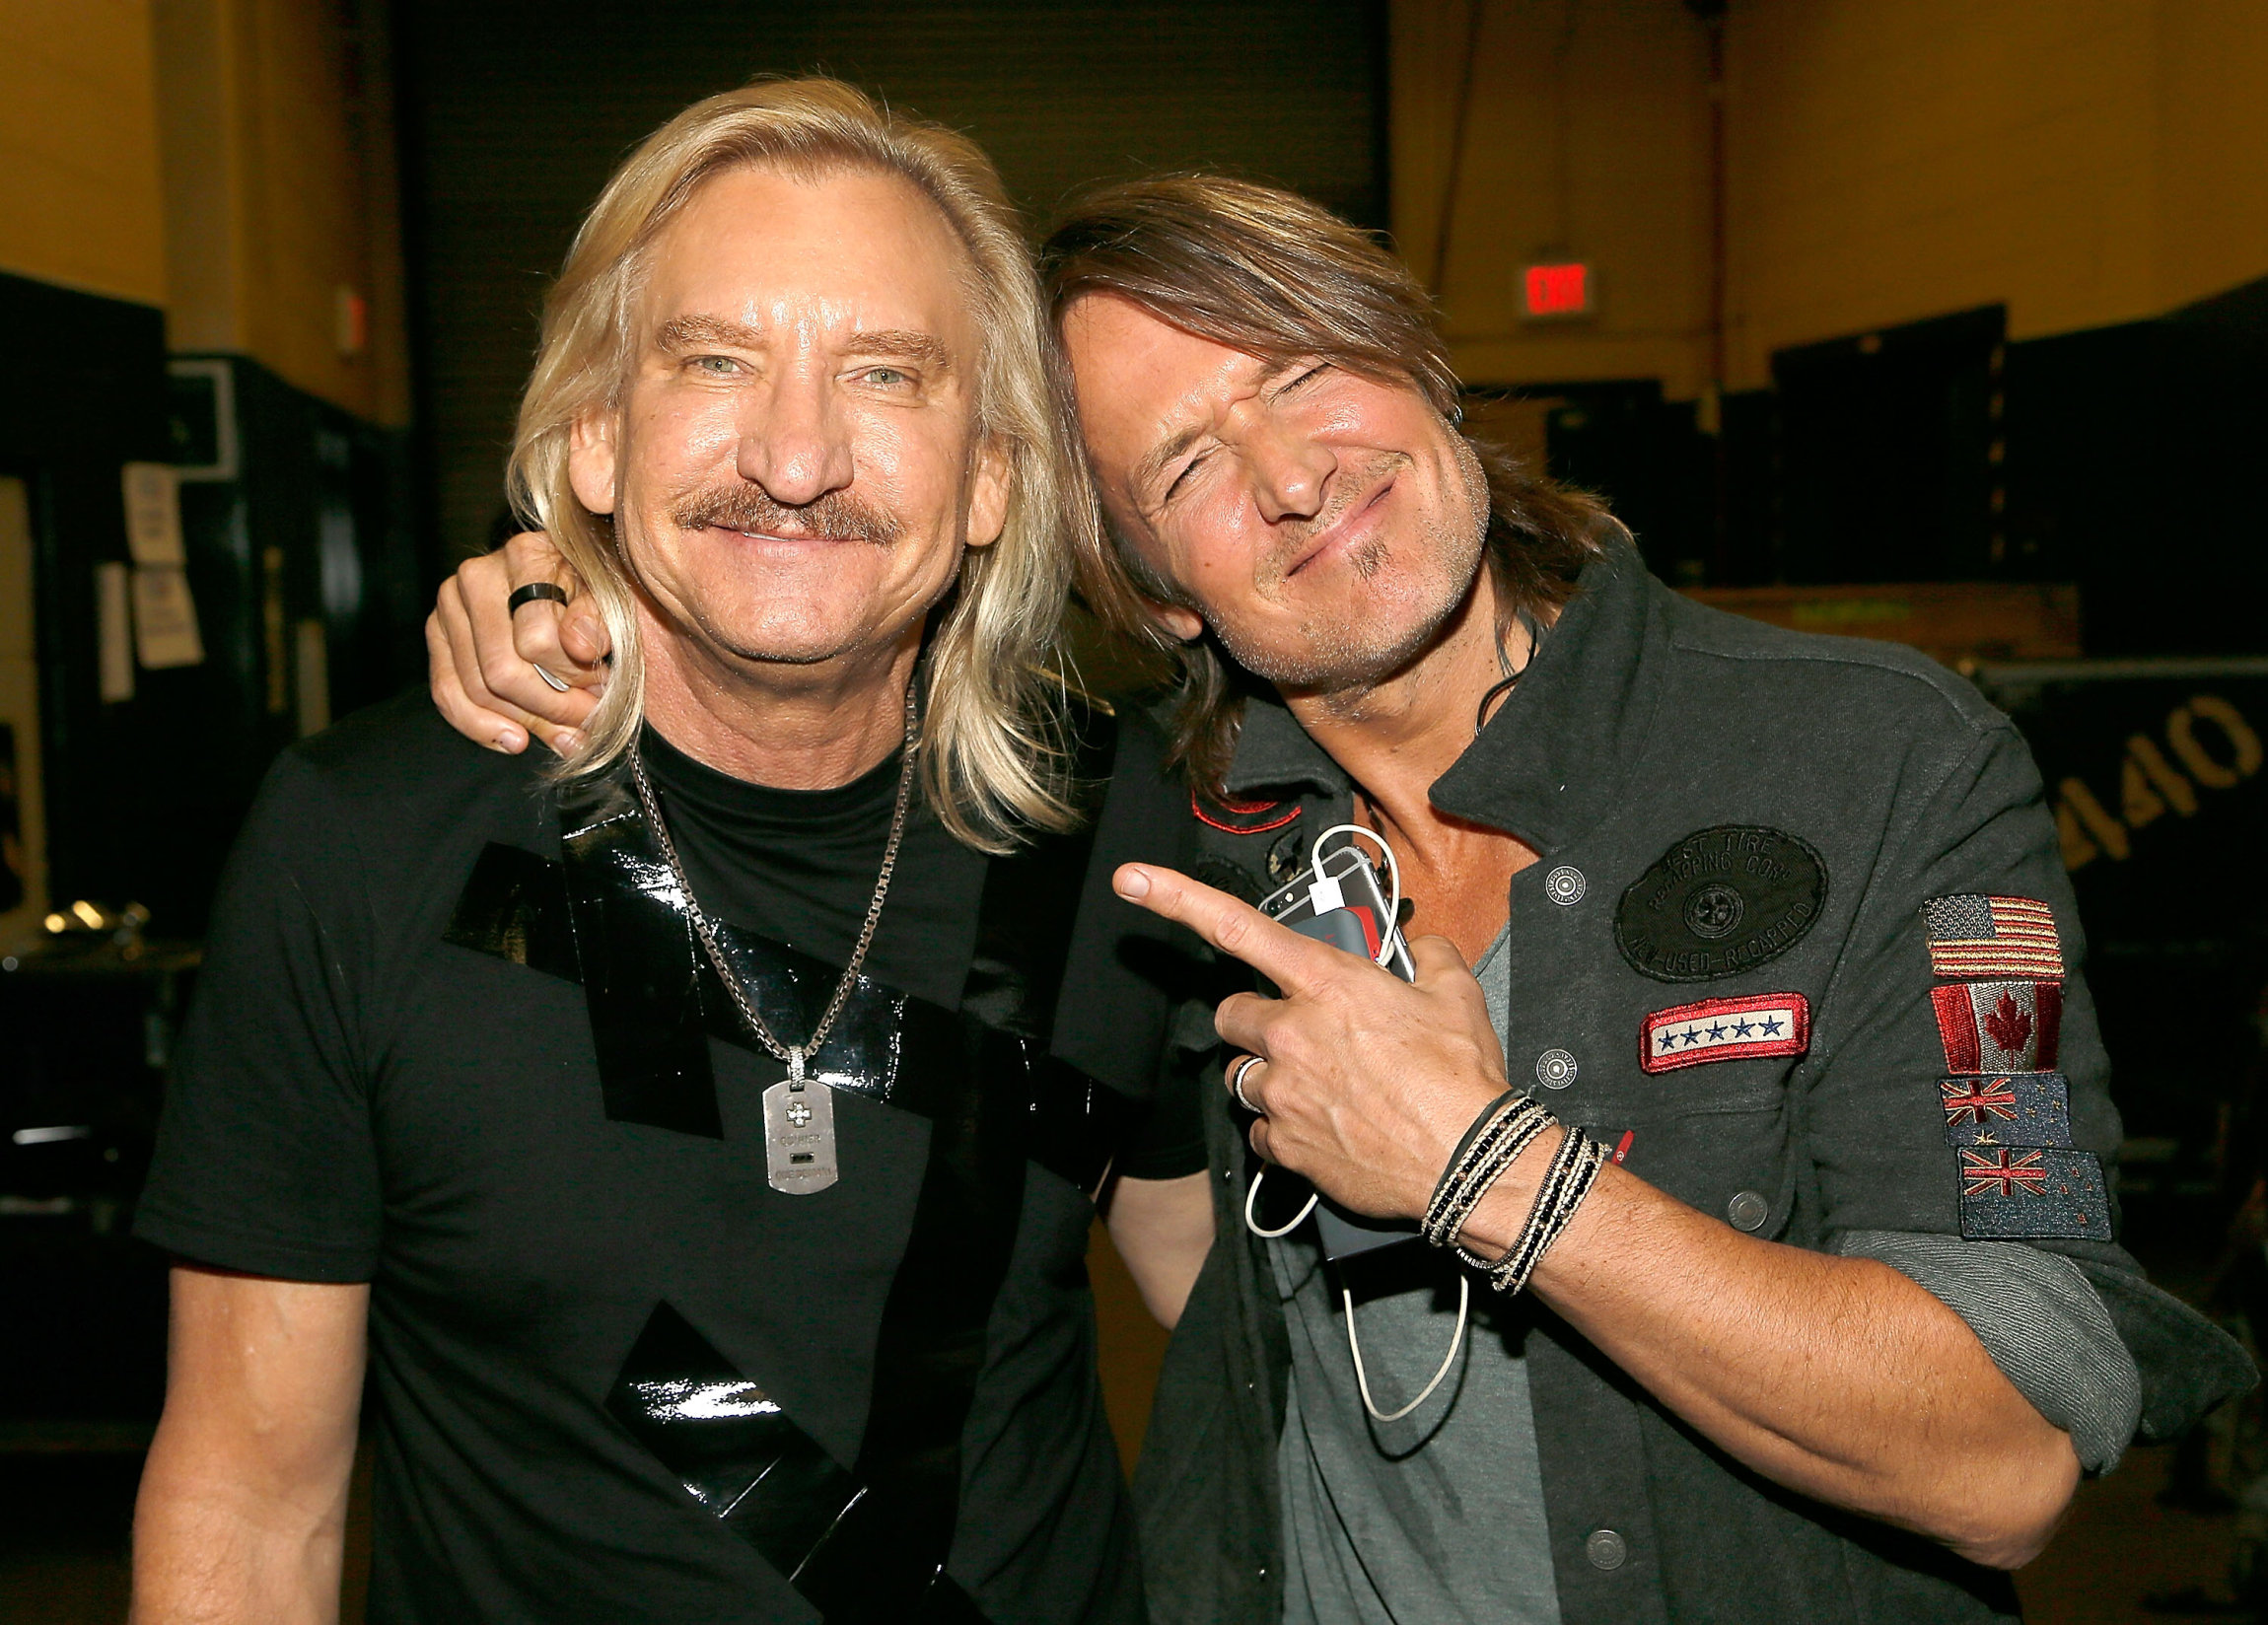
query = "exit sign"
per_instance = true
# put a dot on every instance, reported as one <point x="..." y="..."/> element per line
<point x="1556" y="290"/>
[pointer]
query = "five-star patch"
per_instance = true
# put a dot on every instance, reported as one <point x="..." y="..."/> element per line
<point x="1999" y="1027"/>
<point x="1975" y="937"/>
<point x="2010" y="1192"/>
<point x="2016" y="1109"/>
<point x="1724" y="1030"/>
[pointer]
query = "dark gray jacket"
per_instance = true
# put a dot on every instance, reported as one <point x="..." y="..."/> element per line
<point x="1869" y="781"/>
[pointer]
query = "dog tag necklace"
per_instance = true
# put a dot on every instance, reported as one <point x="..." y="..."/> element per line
<point x="798" y="1110"/>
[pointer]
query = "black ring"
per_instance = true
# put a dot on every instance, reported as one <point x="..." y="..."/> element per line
<point x="531" y="592"/>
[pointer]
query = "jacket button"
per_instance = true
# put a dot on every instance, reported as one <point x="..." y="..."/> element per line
<point x="1565" y="886"/>
<point x="1748" y="1210"/>
<point x="1555" y="1069"/>
<point x="1607" y="1549"/>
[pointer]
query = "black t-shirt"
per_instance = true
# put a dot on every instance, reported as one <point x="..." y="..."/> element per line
<point x="358" y="1098"/>
<point x="799" y="866"/>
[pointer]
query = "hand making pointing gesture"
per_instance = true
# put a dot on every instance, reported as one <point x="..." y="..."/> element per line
<point x="1368" y="1081"/>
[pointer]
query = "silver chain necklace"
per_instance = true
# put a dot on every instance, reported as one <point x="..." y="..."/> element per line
<point x="798" y="1111"/>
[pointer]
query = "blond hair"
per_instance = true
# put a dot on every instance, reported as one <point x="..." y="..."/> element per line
<point x="992" y="755"/>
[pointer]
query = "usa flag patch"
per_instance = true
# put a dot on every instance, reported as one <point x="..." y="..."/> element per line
<point x="2013" y="1109"/>
<point x="2013" y="1191"/>
<point x="1724" y="1030"/>
<point x="1973" y="936"/>
<point x="1999" y="1027"/>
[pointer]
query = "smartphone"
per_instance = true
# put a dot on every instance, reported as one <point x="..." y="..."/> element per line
<point x="1360" y="924"/>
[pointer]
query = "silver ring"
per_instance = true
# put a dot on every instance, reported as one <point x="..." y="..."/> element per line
<point x="557" y="686"/>
<point x="1236" y="1083"/>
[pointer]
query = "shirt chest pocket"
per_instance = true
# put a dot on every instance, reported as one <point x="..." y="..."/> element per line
<point x="1715" y="1136"/>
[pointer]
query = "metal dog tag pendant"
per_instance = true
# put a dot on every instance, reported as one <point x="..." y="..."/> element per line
<point x="800" y="1136"/>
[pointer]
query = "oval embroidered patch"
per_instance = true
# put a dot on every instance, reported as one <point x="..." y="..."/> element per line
<point x="1718" y="903"/>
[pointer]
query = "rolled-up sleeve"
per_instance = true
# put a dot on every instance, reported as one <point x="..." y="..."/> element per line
<point x="2040" y="1320"/>
<point x="1960" y="1122"/>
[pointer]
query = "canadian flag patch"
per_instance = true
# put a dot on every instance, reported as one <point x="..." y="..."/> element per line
<point x="1999" y="1027"/>
<point x="1724" y="1030"/>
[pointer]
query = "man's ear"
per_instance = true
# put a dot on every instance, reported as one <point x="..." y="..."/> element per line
<point x="591" y="459"/>
<point x="988" y="488"/>
<point x="1181" y="623"/>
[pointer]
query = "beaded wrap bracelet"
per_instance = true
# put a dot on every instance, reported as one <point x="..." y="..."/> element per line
<point x="1507" y="1126"/>
<point x="1566" y="1182"/>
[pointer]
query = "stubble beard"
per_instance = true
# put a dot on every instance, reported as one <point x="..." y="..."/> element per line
<point x="1344" y="657"/>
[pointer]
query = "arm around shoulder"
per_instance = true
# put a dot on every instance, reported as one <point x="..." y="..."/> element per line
<point x="242" y="1515"/>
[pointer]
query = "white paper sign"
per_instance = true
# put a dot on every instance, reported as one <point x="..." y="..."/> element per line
<point x="166" y="619"/>
<point x="154" y="514"/>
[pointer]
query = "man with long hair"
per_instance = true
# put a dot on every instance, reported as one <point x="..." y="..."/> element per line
<point x="1716" y="1223"/>
<point x="695" y="1141"/>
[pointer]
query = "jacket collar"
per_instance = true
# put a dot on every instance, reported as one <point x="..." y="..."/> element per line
<point x="1274" y="753"/>
<point x="1552" y="760"/>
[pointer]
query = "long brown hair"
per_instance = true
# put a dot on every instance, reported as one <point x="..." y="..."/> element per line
<point x="1272" y="274"/>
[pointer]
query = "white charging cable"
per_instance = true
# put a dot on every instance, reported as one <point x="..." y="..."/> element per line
<point x="1253" y="1193"/>
<point x="1455" y="1342"/>
<point x="1325" y="893"/>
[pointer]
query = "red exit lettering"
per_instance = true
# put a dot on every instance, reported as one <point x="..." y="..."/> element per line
<point x="1556" y="290"/>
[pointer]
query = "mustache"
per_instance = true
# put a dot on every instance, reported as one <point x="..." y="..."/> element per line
<point x="1355" y="487"/>
<point x="835" y="517"/>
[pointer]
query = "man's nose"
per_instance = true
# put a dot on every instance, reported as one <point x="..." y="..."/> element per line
<point x="794" y="443"/>
<point x="1291" y="471"/>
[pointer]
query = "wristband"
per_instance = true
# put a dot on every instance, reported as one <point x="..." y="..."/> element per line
<point x="1497" y="1153"/>
<point x="1503" y="1129"/>
<point x="1573" y="1170"/>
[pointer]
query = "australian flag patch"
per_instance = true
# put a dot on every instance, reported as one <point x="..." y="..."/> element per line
<point x="1999" y="1027"/>
<point x="2020" y="1109"/>
<point x="2010" y="1192"/>
<point x="1972" y="936"/>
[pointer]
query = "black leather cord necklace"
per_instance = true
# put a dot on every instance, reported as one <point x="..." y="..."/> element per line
<point x="1511" y="680"/>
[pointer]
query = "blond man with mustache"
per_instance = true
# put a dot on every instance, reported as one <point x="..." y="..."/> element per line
<point x="695" y="1144"/>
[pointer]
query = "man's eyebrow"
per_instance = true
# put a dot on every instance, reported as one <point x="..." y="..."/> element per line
<point x="683" y="332"/>
<point x="903" y="345"/>
<point x="1153" y="462"/>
